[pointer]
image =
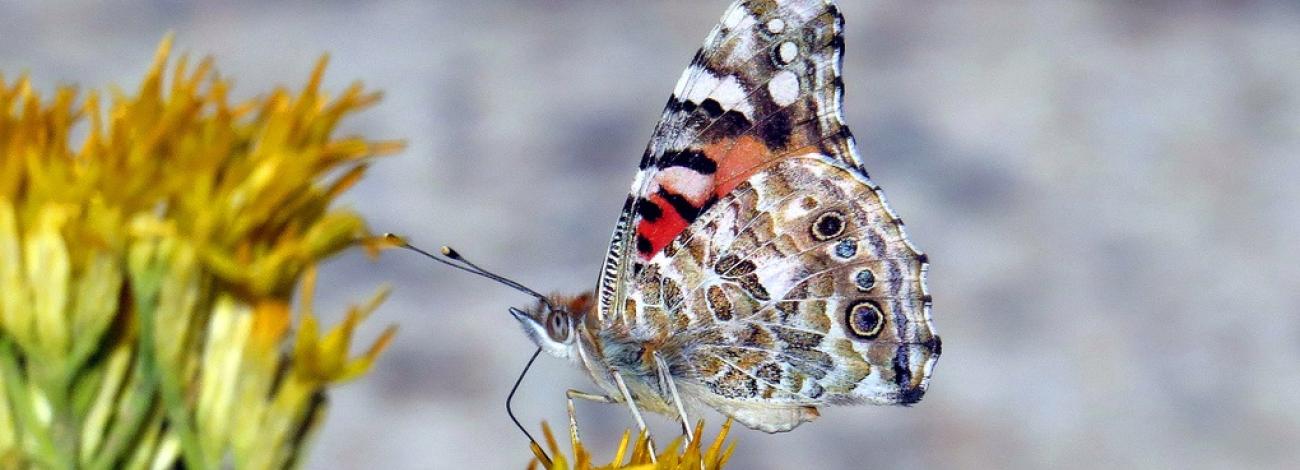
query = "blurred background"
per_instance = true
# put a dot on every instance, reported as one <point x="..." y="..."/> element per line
<point x="1109" y="193"/>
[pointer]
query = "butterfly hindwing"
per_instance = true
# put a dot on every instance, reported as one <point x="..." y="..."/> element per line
<point x="796" y="290"/>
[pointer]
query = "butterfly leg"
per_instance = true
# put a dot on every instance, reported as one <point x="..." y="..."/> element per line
<point x="636" y="413"/>
<point x="573" y="416"/>
<point x="666" y="378"/>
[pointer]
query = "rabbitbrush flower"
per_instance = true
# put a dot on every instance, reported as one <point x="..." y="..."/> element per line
<point x="150" y="250"/>
<point x="692" y="456"/>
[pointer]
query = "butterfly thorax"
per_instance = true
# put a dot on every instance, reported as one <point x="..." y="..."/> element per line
<point x="642" y="362"/>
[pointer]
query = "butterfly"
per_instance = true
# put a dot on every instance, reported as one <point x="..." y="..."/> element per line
<point x="755" y="268"/>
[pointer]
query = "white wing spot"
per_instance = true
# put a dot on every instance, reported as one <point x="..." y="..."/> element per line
<point x="727" y="91"/>
<point x="681" y="83"/>
<point x="775" y="26"/>
<point x="703" y="83"/>
<point x="731" y="95"/>
<point x="784" y="88"/>
<point x="788" y="52"/>
<point x="686" y="182"/>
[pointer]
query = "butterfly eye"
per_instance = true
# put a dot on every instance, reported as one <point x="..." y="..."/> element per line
<point x="556" y="327"/>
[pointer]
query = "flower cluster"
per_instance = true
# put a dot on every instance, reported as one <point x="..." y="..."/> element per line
<point x="692" y="456"/>
<point x="150" y="250"/>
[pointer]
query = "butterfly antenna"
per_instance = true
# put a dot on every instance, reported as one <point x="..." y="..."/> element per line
<point x="509" y="411"/>
<point x="455" y="260"/>
<point x="451" y="257"/>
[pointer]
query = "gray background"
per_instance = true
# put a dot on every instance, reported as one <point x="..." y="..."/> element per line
<point x="1107" y="190"/>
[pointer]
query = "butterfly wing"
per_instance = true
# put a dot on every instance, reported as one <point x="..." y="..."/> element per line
<point x="764" y="85"/>
<point x="754" y="250"/>
<point x="797" y="289"/>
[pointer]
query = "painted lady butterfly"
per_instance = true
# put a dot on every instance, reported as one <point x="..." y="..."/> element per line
<point x="755" y="269"/>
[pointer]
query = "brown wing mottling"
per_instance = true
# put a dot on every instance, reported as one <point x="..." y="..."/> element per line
<point x="798" y="289"/>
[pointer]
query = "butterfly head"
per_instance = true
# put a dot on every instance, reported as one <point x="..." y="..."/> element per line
<point x="554" y="324"/>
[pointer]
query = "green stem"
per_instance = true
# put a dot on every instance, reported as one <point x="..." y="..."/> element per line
<point x="63" y="424"/>
<point x="47" y="452"/>
<point x="178" y="415"/>
<point x="136" y="403"/>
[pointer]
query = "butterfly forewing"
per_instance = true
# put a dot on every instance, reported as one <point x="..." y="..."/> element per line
<point x="765" y="84"/>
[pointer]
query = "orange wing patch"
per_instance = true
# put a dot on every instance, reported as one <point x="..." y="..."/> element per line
<point x="737" y="159"/>
<point x="678" y="194"/>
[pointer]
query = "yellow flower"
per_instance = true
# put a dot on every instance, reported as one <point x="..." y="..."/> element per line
<point x="150" y="249"/>
<point x="676" y="457"/>
<point x="325" y="359"/>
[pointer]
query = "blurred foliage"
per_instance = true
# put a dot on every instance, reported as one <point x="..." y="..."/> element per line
<point x="147" y="276"/>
